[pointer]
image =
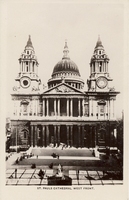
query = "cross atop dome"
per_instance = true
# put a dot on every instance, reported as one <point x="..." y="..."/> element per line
<point x="65" y="51"/>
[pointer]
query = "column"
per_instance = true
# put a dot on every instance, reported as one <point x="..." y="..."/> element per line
<point x="58" y="107"/>
<point x="90" y="136"/>
<point x="113" y="109"/>
<point x="36" y="107"/>
<point x="67" y="107"/>
<point x="43" y="107"/>
<point x="31" y="137"/>
<point x="47" y="104"/>
<point x="82" y="138"/>
<point x="68" y="135"/>
<point x="43" y="135"/>
<point x="47" y="135"/>
<point x="71" y="107"/>
<point x="71" y="135"/>
<point x="79" y="134"/>
<point x="83" y="108"/>
<point x="55" y="107"/>
<point x="34" y="136"/>
<point x="95" y="136"/>
<point x="55" y="135"/>
<point x="58" y="135"/>
<point x="90" y="106"/>
<point x="78" y="107"/>
<point x="35" y="133"/>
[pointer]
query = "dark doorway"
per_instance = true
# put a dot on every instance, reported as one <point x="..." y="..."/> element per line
<point x="51" y="134"/>
<point x="75" y="136"/>
<point x="63" y="107"/>
<point x="63" y="134"/>
<point x="102" y="137"/>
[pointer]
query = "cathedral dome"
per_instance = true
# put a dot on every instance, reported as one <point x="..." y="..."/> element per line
<point x="67" y="70"/>
<point x="66" y="65"/>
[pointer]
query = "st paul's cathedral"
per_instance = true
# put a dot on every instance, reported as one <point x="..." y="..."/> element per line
<point x="64" y="112"/>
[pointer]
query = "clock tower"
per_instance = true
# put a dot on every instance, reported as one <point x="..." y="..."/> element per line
<point x="28" y="79"/>
<point x="100" y="93"/>
<point x="99" y="79"/>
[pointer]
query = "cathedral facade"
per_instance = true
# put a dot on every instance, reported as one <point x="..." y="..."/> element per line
<point x="64" y="112"/>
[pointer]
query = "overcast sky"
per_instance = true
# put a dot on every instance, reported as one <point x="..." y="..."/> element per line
<point x="49" y="24"/>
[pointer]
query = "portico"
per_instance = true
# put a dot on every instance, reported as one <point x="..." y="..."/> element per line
<point x="63" y="106"/>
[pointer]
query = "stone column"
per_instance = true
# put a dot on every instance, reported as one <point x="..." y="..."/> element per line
<point x="68" y="135"/>
<point x="55" y="135"/>
<point x="58" y="107"/>
<point x="83" y="108"/>
<point x="90" y="136"/>
<point x="82" y="138"/>
<point x="36" y="134"/>
<point x="55" y="107"/>
<point x="31" y="137"/>
<point x="47" y="107"/>
<point x="67" y="107"/>
<point x="47" y="135"/>
<point x="43" y="107"/>
<point x="71" y="135"/>
<point x="109" y="108"/>
<point x="43" y="135"/>
<point x="78" y="107"/>
<point x="79" y="136"/>
<point x="71" y="107"/>
<point x="113" y="109"/>
<point x="58" y="135"/>
<point x="95" y="142"/>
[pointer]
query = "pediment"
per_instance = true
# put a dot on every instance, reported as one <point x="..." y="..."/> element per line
<point x="63" y="89"/>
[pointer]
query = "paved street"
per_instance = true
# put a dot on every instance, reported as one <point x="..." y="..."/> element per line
<point x="84" y="170"/>
<point x="31" y="177"/>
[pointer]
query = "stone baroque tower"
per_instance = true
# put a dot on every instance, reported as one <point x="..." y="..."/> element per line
<point x="28" y="72"/>
<point x="101" y="95"/>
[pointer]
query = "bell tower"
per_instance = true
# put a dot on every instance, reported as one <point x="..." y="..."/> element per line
<point x="100" y="93"/>
<point x="28" y="79"/>
<point x="99" y="79"/>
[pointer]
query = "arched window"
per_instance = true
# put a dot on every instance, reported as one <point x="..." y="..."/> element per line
<point x="24" y="104"/>
<point x="27" y="68"/>
<point x="25" y="135"/>
<point x="100" y="66"/>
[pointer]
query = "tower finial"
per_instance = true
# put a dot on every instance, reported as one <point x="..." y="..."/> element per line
<point x="29" y="43"/>
<point x="99" y="43"/>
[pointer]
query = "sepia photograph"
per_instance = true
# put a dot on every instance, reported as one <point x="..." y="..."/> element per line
<point x="64" y="88"/>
